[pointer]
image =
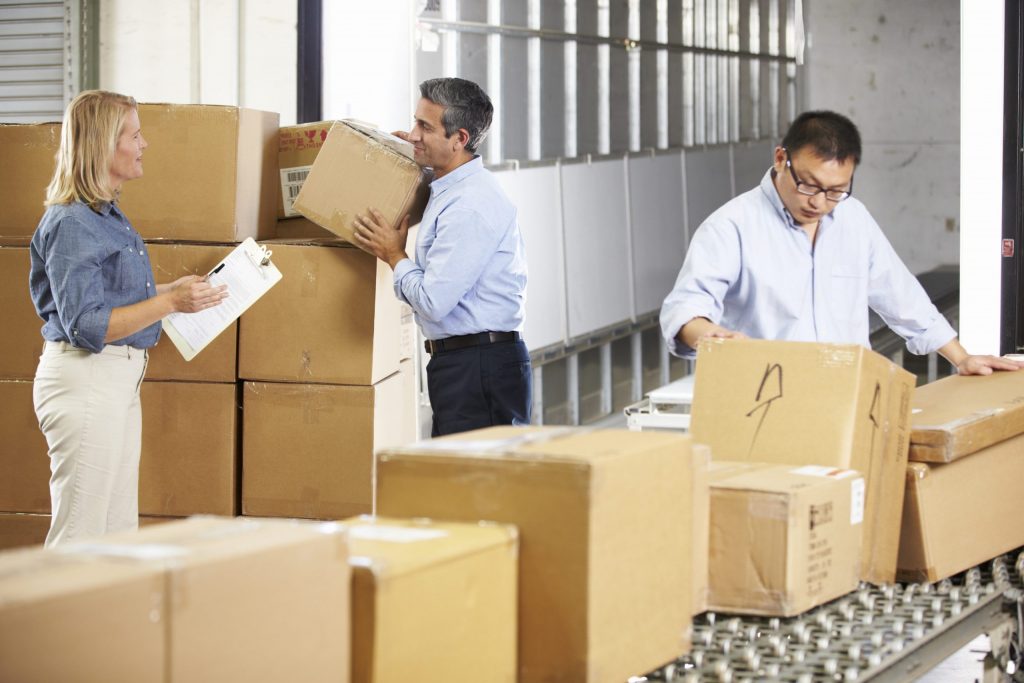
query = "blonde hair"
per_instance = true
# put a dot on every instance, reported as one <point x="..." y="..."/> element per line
<point x="92" y="125"/>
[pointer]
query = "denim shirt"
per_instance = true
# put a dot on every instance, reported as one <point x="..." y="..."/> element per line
<point x="751" y="268"/>
<point x="84" y="264"/>
<point x="469" y="273"/>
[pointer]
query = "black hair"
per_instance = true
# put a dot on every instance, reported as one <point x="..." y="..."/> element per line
<point x="828" y="134"/>
<point x="465" y="104"/>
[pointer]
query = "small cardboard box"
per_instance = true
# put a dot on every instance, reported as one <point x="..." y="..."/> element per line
<point x="308" y="448"/>
<point x="209" y="174"/>
<point x="803" y="403"/>
<point x="432" y="601"/>
<point x="783" y="539"/>
<point x="246" y="599"/>
<point x="71" y="618"/>
<point x="29" y="152"/>
<point x="959" y="415"/>
<point x="189" y="462"/>
<point x="959" y="514"/>
<point x="22" y="342"/>
<point x="24" y="460"/>
<point x="297" y="147"/>
<point x="333" y="318"/>
<point x="360" y="167"/>
<point x="588" y="610"/>
<point x="215" y="363"/>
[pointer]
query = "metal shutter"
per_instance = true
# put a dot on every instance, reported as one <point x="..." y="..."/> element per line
<point x="34" y="63"/>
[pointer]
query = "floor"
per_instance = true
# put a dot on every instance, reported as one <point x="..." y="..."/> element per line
<point x="964" y="666"/>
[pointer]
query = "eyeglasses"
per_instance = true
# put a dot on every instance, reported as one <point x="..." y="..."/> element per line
<point x="809" y="190"/>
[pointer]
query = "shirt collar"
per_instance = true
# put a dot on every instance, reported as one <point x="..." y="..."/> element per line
<point x="474" y="165"/>
<point x="772" y="194"/>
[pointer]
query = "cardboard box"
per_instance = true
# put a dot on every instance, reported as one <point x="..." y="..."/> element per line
<point x="215" y="363"/>
<point x="24" y="459"/>
<point x="19" y="530"/>
<point x="332" y="319"/>
<point x="297" y="147"/>
<point x="784" y="539"/>
<point x="308" y="448"/>
<point x="960" y="514"/>
<point x="588" y="609"/>
<point x="957" y="415"/>
<point x="803" y="403"/>
<point x="71" y="618"/>
<point x="189" y="461"/>
<point x="701" y="497"/>
<point x="360" y="167"/>
<point x="210" y="174"/>
<point x="432" y="602"/>
<point x="29" y="152"/>
<point x="300" y="229"/>
<point x="22" y="342"/>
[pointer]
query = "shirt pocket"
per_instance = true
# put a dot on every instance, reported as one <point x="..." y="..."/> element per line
<point x="129" y="271"/>
<point x="849" y="293"/>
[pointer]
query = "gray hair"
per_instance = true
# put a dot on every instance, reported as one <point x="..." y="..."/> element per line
<point x="465" y="104"/>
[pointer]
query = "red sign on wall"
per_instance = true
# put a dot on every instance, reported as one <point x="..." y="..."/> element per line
<point x="1007" y="248"/>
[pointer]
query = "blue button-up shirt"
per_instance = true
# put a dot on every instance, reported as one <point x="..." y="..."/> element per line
<point x="752" y="269"/>
<point x="470" y="270"/>
<point x="83" y="265"/>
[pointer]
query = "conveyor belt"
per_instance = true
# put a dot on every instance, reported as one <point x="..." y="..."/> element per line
<point x="888" y="633"/>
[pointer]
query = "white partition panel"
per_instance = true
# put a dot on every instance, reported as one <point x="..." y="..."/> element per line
<point x="597" y="249"/>
<point x="658" y="226"/>
<point x="535" y="192"/>
<point x="750" y="161"/>
<point x="708" y="182"/>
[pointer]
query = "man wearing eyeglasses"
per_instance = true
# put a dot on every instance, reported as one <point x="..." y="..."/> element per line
<point x="799" y="259"/>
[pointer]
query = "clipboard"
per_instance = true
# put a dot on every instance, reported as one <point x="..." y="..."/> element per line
<point x="249" y="274"/>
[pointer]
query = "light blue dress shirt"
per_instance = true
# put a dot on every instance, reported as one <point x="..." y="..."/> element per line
<point x="752" y="269"/>
<point x="84" y="264"/>
<point x="470" y="270"/>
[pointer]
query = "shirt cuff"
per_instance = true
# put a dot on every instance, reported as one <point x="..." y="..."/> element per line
<point x="673" y="321"/>
<point x="90" y="330"/>
<point x="937" y="335"/>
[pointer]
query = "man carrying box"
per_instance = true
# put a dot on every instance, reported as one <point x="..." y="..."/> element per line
<point x="467" y="284"/>
<point x="797" y="259"/>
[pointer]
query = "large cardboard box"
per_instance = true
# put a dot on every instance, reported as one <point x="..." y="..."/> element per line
<point x="959" y="415"/>
<point x="784" y="539"/>
<point x="247" y="599"/>
<point x="959" y="514"/>
<point x="297" y="147"/>
<point x="210" y="174"/>
<point x="333" y="318"/>
<point x="300" y="229"/>
<point x="431" y="601"/>
<point x="215" y="363"/>
<point x="29" y="153"/>
<point x="72" y="618"/>
<point x="803" y="403"/>
<point x="308" y="448"/>
<point x="360" y="167"/>
<point x="189" y="461"/>
<point x="20" y="529"/>
<point x="701" y="499"/>
<point x="21" y="343"/>
<point x="24" y="460"/>
<point x="588" y="609"/>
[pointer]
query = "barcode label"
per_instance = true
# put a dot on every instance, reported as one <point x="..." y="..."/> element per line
<point x="291" y="184"/>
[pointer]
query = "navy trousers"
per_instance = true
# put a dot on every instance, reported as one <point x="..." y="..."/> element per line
<point x="480" y="386"/>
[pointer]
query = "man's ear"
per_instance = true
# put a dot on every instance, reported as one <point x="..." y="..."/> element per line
<point x="461" y="139"/>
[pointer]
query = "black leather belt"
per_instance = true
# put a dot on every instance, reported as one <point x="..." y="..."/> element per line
<point x="466" y="340"/>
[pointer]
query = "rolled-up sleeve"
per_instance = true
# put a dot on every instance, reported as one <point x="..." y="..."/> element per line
<point x="900" y="300"/>
<point x="76" y="279"/>
<point x="711" y="266"/>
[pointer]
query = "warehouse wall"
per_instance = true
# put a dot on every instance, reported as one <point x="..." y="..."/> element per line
<point x="893" y="66"/>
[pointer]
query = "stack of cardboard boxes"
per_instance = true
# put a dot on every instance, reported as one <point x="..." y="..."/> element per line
<point x="314" y="366"/>
<point x="963" y="485"/>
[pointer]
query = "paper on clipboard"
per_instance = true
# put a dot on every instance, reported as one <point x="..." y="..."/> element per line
<point x="249" y="274"/>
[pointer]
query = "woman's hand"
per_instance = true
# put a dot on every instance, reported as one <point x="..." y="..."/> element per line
<point x="191" y="294"/>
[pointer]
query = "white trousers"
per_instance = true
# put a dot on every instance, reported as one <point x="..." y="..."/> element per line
<point x="89" y="411"/>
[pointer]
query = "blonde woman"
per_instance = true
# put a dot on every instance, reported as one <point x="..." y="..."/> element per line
<point x="93" y="286"/>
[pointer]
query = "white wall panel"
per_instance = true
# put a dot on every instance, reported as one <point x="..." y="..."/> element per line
<point x="658" y="226"/>
<point x="708" y="182"/>
<point x="535" y="192"/>
<point x="597" y="262"/>
<point x="750" y="161"/>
